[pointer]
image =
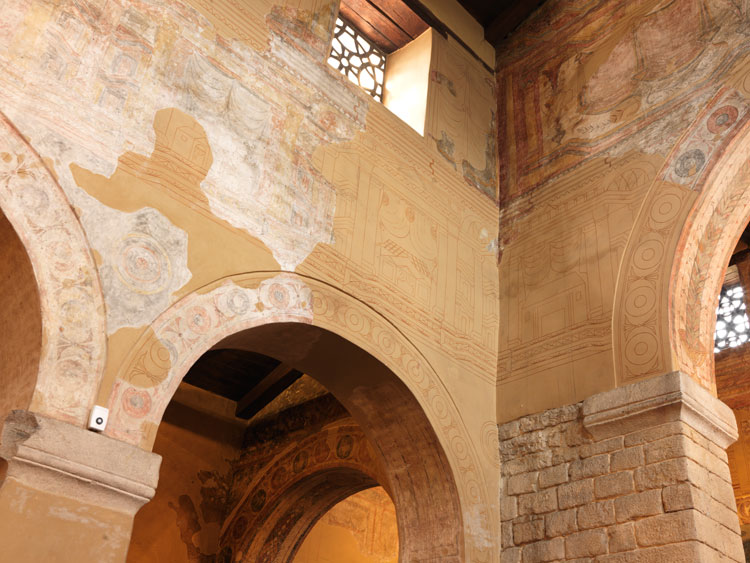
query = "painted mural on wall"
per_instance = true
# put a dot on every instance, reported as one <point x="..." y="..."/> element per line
<point x="656" y="90"/>
<point x="200" y="140"/>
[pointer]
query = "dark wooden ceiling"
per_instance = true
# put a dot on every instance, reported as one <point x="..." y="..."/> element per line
<point x="391" y="24"/>
<point x="499" y="17"/>
<point x="251" y="380"/>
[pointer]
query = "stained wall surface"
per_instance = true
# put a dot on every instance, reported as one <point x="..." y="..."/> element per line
<point x="612" y="116"/>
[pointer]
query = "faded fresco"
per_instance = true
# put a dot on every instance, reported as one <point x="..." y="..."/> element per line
<point x="615" y="122"/>
<point x="197" y="141"/>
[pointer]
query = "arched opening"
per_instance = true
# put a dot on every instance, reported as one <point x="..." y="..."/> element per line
<point x="360" y="529"/>
<point x="369" y="431"/>
<point x="732" y="371"/>
<point x="21" y="321"/>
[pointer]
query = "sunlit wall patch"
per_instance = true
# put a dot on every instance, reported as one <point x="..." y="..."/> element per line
<point x="358" y="59"/>
<point x="732" y="323"/>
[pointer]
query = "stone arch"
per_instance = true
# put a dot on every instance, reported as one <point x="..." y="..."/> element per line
<point x="674" y="262"/>
<point x="280" y="507"/>
<point x="71" y="357"/>
<point x="273" y="313"/>
<point x="713" y="227"/>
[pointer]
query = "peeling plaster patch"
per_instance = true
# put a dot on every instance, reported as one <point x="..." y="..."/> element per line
<point x="144" y="261"/>
<point x="476" y="521"/>
<point x="262" y="180"/>
<point x="265" y="113"/>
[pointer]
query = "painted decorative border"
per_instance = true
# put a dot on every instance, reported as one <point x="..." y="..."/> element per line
<point x="644" y="316"/>
<point x="73" y="343"/>
<point x="194" y="324"/>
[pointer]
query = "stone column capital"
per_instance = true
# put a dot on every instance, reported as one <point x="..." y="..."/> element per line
<point x="672" y="397"/>
<point x="60" y="458"/>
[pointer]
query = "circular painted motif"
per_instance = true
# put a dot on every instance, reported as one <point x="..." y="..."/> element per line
<point x="300" y="461"/>
<point x="722" y="119"/>
<point x="142" y="264"/>
<point x="198" y="320"/>
<point x="238" y="302"/>
<point x="344" y="447"/>
<point x="279" y="296"/>
<point x="137" y="403"/>
<point x="240" y="525"/>
<point x="690" y="163"/>
<point x="321" y="451"/>
<point x="258" y="500"/>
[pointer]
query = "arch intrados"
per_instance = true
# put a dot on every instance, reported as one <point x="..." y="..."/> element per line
<point x="21" y="342"/>
<point x="418" y="474"/>
<point x="302" y="504"/>
<point x="707" y="239"/>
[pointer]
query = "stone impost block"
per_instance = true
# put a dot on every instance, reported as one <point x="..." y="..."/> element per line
<point x="60" y="458"/>
<point x="673" y="397"/>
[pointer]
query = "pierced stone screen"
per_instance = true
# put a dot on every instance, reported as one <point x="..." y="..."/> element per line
<point x="732" y="323"/>
<point x="357" y="59"/>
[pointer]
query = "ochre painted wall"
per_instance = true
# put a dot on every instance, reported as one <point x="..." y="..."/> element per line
<point x="199" y="439"/>
<point x="360" y="529"/>
<point x="612" y="116"/>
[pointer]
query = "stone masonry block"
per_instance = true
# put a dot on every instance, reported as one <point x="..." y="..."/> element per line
<point x="653" y="433"/>
<point x="576" y="493"/>
<point x="586" y="544"/>
<point x="521" y="483"/>
<point x="596" y="514"/>
<point x="526" y="532"/>
<point x="601" y="447"/>
<point x="561" y="522"/>
<point x="511" y="555"/>
<point x="508" y="507"/>
<point x="614" y="484"/>
<point x="553" y="476"/>
<point x="621" y="537"/>
<point x="638" y="505"/>
<point x="538" y="503"/>
<point x="629" y="458"/>
<point x="539" y="552"/>
<point x="669" y="472"/>
<point x="668" y="528"/>
<point x="589" y="467"/>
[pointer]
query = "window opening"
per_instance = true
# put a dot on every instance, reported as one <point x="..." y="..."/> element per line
<point x="358" y="59"/>
<point x="732" y="323"/>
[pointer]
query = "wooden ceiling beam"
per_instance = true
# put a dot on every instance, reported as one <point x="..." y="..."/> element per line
<point x="266" y="390"/>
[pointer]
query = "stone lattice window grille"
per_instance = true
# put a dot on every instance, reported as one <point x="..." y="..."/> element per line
<point x="358" y="59"/>
<point x="732" y="323"/>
